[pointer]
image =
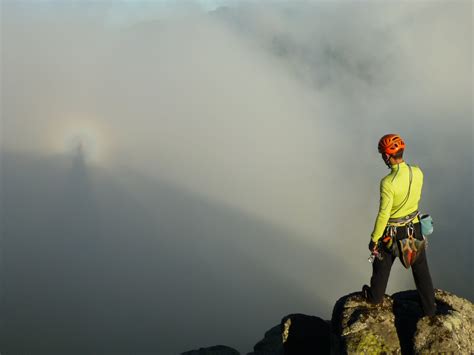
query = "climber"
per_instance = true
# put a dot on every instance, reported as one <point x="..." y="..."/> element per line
<point x="400" y="192"/>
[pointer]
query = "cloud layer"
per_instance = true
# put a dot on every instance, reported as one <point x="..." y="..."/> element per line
<point x="270" y="111"/>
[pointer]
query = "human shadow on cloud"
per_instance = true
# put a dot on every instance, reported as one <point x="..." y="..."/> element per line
<point x="96" y="262"/>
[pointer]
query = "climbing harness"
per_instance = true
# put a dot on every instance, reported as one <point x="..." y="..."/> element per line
<point x="401" y="221"/>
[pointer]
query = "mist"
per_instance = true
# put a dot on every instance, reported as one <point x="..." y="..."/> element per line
<point x="174" y="177"/>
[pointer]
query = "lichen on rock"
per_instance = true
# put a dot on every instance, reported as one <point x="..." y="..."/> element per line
<point x="362" y="328"/>
<point x="370" y="344"/>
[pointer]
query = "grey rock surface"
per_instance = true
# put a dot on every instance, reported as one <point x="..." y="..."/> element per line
<point x="448" y="332"/>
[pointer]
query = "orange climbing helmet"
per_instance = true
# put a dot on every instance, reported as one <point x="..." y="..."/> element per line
<point x="391" y="144"/>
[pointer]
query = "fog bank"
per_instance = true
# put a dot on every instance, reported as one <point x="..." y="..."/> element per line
<point x="175" y="173"/>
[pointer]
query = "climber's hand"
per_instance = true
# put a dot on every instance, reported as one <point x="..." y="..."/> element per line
<point x="372" y="245"/>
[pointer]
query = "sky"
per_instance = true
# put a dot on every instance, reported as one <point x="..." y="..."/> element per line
<point x="170" y="172"/>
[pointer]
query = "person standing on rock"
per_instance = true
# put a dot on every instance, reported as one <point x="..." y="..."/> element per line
<point x="400" y="192"/>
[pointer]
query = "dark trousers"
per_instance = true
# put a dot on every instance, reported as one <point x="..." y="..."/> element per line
<point x="421" y="274"/>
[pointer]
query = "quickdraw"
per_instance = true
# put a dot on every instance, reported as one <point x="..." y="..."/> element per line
<point x="389" y="237"/>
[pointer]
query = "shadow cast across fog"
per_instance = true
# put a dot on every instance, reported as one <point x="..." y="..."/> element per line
<point x="95" y="263"/>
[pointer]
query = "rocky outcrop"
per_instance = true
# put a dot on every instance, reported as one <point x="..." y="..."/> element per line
<point x="397" y="326"/>
<point x="272" y="342"/>
<point x="296" y="334"/>
<point x="304" y="334"/>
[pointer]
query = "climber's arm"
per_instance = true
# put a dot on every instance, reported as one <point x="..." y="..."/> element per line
<point x="386" y="202"/>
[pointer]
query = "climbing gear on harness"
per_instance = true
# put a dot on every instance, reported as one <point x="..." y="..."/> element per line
<point x="426" y="223"/>
<point x="409" y="248"/>
<point x="390" y="144"/>
<point x="388" y="237"/>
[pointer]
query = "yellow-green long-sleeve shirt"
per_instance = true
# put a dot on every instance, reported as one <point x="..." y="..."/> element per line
<point x="393" y="191"/>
